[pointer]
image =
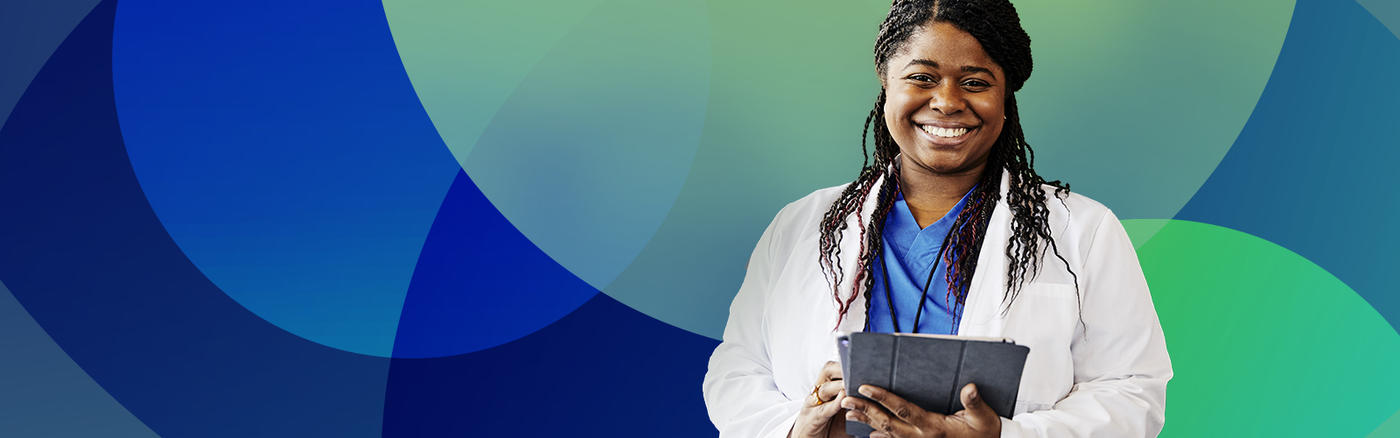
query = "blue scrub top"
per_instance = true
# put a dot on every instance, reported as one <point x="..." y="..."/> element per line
<point x="909" y="252"/>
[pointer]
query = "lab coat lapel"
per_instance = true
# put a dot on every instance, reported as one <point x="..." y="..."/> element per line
<point x="982" y="315"/>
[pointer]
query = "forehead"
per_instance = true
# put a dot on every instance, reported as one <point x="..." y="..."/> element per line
<point x="946" y="45"/>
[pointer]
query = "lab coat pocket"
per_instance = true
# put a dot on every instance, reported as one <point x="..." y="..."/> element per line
<point x="1044" y="317"/>
<point x="1051" y="290"/>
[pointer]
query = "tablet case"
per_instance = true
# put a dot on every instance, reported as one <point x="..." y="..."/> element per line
<point x="930" y="370"/>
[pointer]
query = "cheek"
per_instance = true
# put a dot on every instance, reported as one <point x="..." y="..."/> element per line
<point x="993" y="133"/>
<point x="897" y="109"/>
<point x="990" y="109"/>
<point x="992" y="114"/>
<point x="891" y="109"/>
<point x="892" y="119"/>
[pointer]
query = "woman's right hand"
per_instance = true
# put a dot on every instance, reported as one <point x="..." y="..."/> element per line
<point x="821" y="415"/>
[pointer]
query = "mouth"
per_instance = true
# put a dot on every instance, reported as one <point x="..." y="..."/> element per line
<point x="946" y="136"/>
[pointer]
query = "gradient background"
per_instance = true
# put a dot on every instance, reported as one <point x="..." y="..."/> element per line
<point x="435" y="218"/>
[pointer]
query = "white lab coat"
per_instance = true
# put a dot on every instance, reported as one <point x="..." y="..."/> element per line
<point x="1106" y="377"/>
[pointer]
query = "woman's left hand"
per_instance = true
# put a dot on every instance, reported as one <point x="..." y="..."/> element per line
<point x="895" y="417"/>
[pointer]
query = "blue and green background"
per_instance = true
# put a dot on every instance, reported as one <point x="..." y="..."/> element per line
<point x="440" y="218"/>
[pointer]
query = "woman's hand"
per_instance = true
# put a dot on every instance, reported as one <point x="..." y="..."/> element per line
<point x="895" y="417"/>
<point x="821" y="415"/>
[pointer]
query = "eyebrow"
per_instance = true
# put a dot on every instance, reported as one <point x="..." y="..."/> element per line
<point x="965" y="68"/>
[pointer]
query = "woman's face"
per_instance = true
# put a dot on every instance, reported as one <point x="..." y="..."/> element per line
<point x="944" y="100"/>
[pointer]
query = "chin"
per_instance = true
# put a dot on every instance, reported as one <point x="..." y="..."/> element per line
<point x="940" y="162"/>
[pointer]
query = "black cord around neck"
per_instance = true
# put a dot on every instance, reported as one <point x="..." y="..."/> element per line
<point x="889" y="298"/>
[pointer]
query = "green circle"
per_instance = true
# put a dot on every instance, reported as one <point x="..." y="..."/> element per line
<point x="1263" y="342"/>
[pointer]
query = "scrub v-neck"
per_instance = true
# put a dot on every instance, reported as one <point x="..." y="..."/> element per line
<point x="909" y="253"/>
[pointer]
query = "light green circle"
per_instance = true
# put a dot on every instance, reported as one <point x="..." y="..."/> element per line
<point x="1263" y="342"/>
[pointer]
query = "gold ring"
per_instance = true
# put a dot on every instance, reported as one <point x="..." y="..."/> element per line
<point x="817" y="396"/>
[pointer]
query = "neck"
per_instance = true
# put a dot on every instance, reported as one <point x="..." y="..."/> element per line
<point x="930" y="195"/>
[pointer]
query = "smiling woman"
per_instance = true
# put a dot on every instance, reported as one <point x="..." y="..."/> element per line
<point x="967" y="241"/>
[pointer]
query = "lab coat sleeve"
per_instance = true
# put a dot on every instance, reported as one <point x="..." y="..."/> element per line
<point x="1121" y="366"/>
<point x="739" y="389"/>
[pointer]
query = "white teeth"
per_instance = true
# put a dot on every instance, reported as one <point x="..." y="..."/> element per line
<point x="944" y="132"/>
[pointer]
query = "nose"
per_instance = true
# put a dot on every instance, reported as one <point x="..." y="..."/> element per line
<point x="947" y="99"/>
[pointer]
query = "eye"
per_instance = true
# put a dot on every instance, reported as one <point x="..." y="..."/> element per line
<point x="976" y="85"/>
<point x="923" y="78"/>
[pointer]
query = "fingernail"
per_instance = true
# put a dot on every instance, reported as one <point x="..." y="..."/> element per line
<point x="865" y="390"/>
<point x="848" y="404"/>
<point x="851" y="415"/>
<point x="973" y="393"/>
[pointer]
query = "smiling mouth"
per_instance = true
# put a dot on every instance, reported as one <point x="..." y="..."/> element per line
<point x="946" y="135"/>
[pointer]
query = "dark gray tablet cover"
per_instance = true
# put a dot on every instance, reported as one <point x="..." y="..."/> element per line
<point x="931" y="370"/>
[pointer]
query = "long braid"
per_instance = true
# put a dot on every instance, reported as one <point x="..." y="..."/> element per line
<point x="996" y="25"/>
<point x="851" y="202"/>
<point x="876" y="239"/>
<point x="1031" y="221"/>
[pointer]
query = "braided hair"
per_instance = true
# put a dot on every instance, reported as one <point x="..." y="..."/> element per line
<point x="997" y="27"/>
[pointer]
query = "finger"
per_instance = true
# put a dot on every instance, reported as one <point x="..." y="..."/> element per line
<point x="823" y="408"/>
<point x="828" y="391"/>
<point x="857" y="415"/>
<point x="898" y="406"/>
<point x="873" y="415"/>
<point x="882" y="428"/>
<point x="831" y="370"/>
<point x="823" y="413"/>
<point x="979" y="415"/>
<point x="826" y="410"/>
